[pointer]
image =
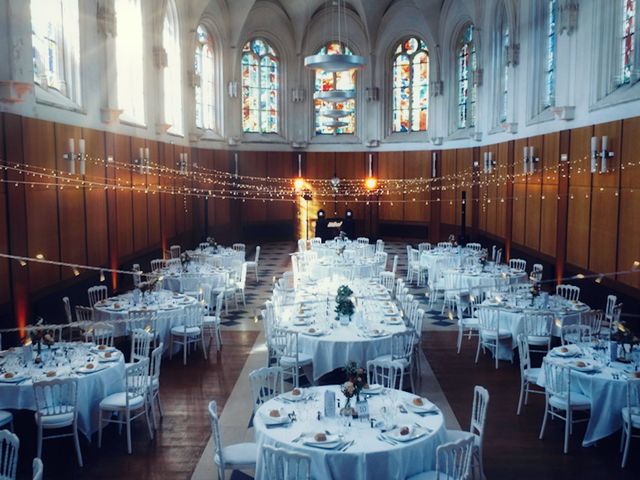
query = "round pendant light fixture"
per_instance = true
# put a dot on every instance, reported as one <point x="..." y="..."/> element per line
<point x="334" y="96"/>
<point x="338" y="62"/>
<point x="335" y="124"/>
<point x="335" y="113"/>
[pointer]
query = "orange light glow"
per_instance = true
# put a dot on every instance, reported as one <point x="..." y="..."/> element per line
<point x="298" y="184"/>
<point x="371" y="183"/>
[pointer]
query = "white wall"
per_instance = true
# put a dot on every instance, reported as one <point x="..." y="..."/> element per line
<point x="374" y="27"/>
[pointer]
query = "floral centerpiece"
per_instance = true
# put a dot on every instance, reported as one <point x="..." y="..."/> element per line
<point x="185" y="260"/>
<point x="356" y="381"/>
<point x="344" y="304"/>
<point x="148" y="286"/>
<point x="41" y="335"/>
<point x="626" y="339"/>
<point x="212" y="242"/>
<point x="452" y="240"/>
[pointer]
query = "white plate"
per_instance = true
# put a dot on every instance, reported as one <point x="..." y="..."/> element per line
<point x="269" y="420"/>
<point x="414" y="433"/>
<point x="376" y="333"/>
<point x="393" y="321"/>
<point x="115" y="356"/>
<point x="14" y="379"/>
<point x="102" y="350"/>
<point x="331" y="442"/>
<point x="426" y="407"/>
<point x="572" y="351"/>
<point x="96" y="368"/>
<point x="315" y="333"/>
<point x="293" y="398"/>
<point x="390" y="313"/>
<point x="300" y="322"/>
<point x="589" y="366"/>
<point x="373" y="389"/>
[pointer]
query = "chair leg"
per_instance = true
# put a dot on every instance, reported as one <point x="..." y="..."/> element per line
<point x="544" y="420"/>
<point x="100" y="432"/>
<point x="39" y="441"/>
<point x="204" y="350"/>
<point x="459" y="339"/>
<point x="185" y="345"/>
<point x="495" y="353"/>
<point x="77" y="442"/>
<point x="128" y="419"/>
<point x="522" y="388"/>
<point x="626" y="446"/>
<point x="159" y="404"/>
<point x="567" y="427"/>
<point x="478" y="350"/>
<point x="153" y="410"/>
<point x="146" y="415"/>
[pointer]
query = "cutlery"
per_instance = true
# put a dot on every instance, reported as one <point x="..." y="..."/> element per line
<point x="347" y="445"/>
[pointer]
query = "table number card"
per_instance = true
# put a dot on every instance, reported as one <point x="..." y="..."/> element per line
<point x="329" y="404"/>
<point x="362" y="409"/>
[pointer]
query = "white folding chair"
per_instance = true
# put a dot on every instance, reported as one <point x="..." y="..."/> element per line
<point x="266" y="383"/>
<point x="175" y="251"/>
<point x="476" y="247"/>
<point x="253" y="264"/>
<point x="490" y="331"/>
<point x="560" y="401"/>
<point x="154" y="383"/>
<point x="285" y="344"/>
<point x="241" y="284"/>
<point x="518" y="264"/>
<point x="100" y="334"/>
<point x="630" y="417"/>
<point x="157" y="264"/>
<point x="282" y="464"/>
<point x="211" y="323"/>
<point x="453" y="461"/>
<point x="387" y="280"/>
<point x="445" y="245"/>
<point x="387" y="373"/>
<point x="379" y="245"/>
<point x="612" y="301"/>
<point x="592" y="319"/>
<point x="402" y="345"/>
<point x="575" y="334"/>
<point x="234" y="457"/>
<point x="467" y="325"/>
<point x="189" y="333"/>
<point x="9" y="446"/>
<point x="96" y="294"/>
<point x="37" y="469"/>
<point x="56" y="407"/>
<point x="476" y="428"/>
<point x="569" y="292"/>
<point x="528" y="376"/>
<point x="239" y="247"/>
<point x="538" y="327"/>
<point x="132" y="403"/>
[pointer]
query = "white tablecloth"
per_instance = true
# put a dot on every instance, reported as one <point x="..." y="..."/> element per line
<point x="342" y="344"/>
<point x="607" y="394"/>
<point x="439" y="259"/>
<point x="368" y="458"/>
<point x="483" y="280"/>
<point x="92" y="388"/>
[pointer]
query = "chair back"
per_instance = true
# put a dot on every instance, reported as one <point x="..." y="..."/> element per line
<point x="219" y="305"/>
<point x="479" y="411"/>
<point x="386" y="373"/>
<point x="315" y="241"/>
<point x="402" y="345"/>
<point x="488" y="319"/>
<point x="592" y="319"/>
<point x="101" y="334"/>
<point x="302" y="245"/>
<point x="140" y="344"/>
<point x="84" y="316"/>
<point x="523" y="353"/>
<point x="611" y="304"/>
<point x="521" y="288"/>
<point x="257" y="257"/>
<point x="286" y="465"/>
<point x="445" y="245"/>
<point x="418" y="320"/>
<point x="9" y="445"/>
<point x="136" y="380"/>
<point x="499" y="256"/>
<point x="557" y="380"/>
<point x="575" y="334"/>
<point x="394" y="265"/>
<point x="569" y="292"/>
<point x="174" y="264"/>
<point x="379" y="246"/>
<point x="56" y="397"/>
<point x="37" y="469"/>
<point x="96" y="293"/>
<point x="362" y="240"/>
<point x="424" y="247"/>
<point x="633" y="396"/>
<point x="387" y="279"/>
<point x="137" y="276"/>
<point x="289" y="281"/>
<point x="175" y="251"/>
<point x="266" y="383"/>
<point x="380" y="259"/>
<point x="476" y="247"/>
<point x="538" y="324"/>
<point x="67" y="309"/>
<point x="215" y="433"/>
<point x="518" y="264"/>
<point x="239" y="247"/>
<point x="193" y="316"/>
<point x="453" y="460"/>
<point x="156" y="363"/>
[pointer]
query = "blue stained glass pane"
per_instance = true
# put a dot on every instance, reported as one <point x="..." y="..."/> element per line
<point x="260" y="83"/>
<point x="410" y="94"/>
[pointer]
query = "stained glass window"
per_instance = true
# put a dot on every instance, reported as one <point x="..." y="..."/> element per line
<point x="466" y="57"/>
<point x="260" y="83"/>
<point x="172" y="72"/>
<point x="326" y="81"/>
<point x="204" y="90"/>
<point x="55" y="35"/>
<point x="628" y="38"/>
<point x="411" y="86"/>
<point x="503" y="43"/>
<point x="129" y="59"/>
<point x="550" y="66"/>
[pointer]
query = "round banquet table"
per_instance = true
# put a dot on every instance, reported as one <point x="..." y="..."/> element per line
<point x="605" y="386"/>
<point x="362" y="267"/>
<point x="438" y="259"/>
<point x="369" y="457"/>
<point x="172" y="280"/>
<point x="66" y="359"/>
<point x="513" y="312"/>
<point x="332" y="345"/>
<point x="500" y="277"/>
<point x="169" y="307"/>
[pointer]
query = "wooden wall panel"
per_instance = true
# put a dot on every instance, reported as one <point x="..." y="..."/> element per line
<point x="180" y="199"/>
<point x="139" y="199"/>
<point x="578" y="226"/>
<point x="533" y="195"/>
<point x="280" y="164"/>
<point x="548" y="220"/>
<point x="604" y="230"/>
<point x="483" y="190"/>
<point x="168" y="200"/>
<point x="629" y="224"/>
<point x="124" y="200"/>
<point x="41" y="203"/>
<point x="71" y="203"/>
<point x="5" y="292"/>
<point x="222" y="206"/>
<point x="96" y="200"/>
<point x="580" y="157"/>
<point x="519" y="213"/>
<point x="391" y="166"/>
<point x="417" y="165"/>
<point x="448" y="190"/>
<point x="463" y="182"/>
<point x="153" y="199"/>
<point x="351" y="165"/>
<point x="502" y="167"/>
<point x="254" y="164"/>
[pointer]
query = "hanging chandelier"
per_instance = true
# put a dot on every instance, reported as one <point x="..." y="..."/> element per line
<point x="335" y="113"/>
<point x="339" y="62"/>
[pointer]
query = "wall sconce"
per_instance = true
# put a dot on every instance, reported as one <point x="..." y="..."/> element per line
<point x="436" y="140"/>
<point x="489" y="163"/>
<point x="372" y="94"/>
<point x="233" y="89"/>
<point x="71" y="156"/>
<point x="143" y="160"/>
<point x="235" y="163"/>
<point x="434" y="169"/>
<point x="604" y="155"/>
<point x="298" y="94"/>
<point x="529" y="160"/>
<point x="183" y="163"/>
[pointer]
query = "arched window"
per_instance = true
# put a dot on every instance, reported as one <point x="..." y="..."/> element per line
<point x="204" y="90"/>
<point x="467" y="64"/>
<point x="411" y="86"/>
<point x="129" y="60"/>
<point x="502" y="63"/>
<point x="628" y="39"/>
<point x="550" y="64"/>
<point x="260" y="84"/>
<point x="173" y="70"/>
<point x="56" y="46"/>
<point x="325" y="81"/>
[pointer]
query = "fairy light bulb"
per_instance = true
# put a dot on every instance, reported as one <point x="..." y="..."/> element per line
<point x="298" y="184"/>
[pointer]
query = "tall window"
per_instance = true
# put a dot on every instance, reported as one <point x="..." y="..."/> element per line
<point x="411" y="86"/>
<point x="173" y="70"/>
<point x="326" y="81"/>
<point x="503" y="65"/>
<point x="550" y="64"/>
<point x="204" y="91"/>
<point x="260" y="84"/>
<point x="56" y="46"/>
<point x="467" y="64"/>
<point x="628" y="38"/>
<point x="129" y="58"/>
